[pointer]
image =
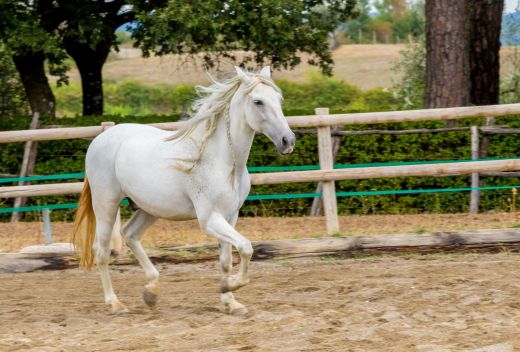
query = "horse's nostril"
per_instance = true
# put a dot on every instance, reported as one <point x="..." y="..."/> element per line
<point x="284" y="141"/>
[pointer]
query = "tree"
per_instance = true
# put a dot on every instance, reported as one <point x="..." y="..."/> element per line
<point x="355" y="27"/>
<point x="397" y="18"/>
<point x="25" y="31"/>
<point x="88" y="36"/>
<point x="463" y="44"/>
<point x="485" y="28"/>
<point x="447" y="54"/>
<point x="268" y="30"/>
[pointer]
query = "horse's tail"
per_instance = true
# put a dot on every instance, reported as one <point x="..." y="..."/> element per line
<point x="84" y="228"/>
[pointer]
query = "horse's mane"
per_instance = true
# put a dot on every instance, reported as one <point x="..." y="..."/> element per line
<point x="212" y="105"/>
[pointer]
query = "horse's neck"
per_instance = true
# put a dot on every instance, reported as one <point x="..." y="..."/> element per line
<point x="234" y="151"/>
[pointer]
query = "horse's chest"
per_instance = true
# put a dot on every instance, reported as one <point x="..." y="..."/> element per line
<point x="223" y="194"/>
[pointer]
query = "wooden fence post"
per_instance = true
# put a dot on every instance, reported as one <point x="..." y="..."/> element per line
<point x="327" y="163"/>
<point x="107" y="124"/>
<point x="475" y="177"/>
<point x="27" y="168"/>
<point x="317" y="203"/>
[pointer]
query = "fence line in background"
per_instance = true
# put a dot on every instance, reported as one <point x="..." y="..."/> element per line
<point x="322" y="120"/>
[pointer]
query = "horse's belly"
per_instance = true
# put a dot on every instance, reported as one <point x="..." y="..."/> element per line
<point x="167" y="204"/>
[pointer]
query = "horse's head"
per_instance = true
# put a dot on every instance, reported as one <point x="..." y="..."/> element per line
<point x="263" y="109"/>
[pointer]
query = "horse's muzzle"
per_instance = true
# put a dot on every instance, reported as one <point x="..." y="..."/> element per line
<point x="287" y="143"/>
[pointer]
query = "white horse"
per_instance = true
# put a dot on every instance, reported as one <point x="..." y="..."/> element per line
<point x="197" y="172"/>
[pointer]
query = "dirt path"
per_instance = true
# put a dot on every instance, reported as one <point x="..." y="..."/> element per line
<point x="170" y="233"/>
<point x="429" y="303"/>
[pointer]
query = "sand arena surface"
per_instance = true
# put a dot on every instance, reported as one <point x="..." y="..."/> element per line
<point x="417" y="303"/>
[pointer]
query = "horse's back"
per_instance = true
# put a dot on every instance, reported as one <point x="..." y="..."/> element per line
<point x="102" y="154"/>
<point x="104" y="148"/>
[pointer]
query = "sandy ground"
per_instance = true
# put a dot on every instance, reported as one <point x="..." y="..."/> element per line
<point x="429" y="303"/>
<point x="169" y="233"/>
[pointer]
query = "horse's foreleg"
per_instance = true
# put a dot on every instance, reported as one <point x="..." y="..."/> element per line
<point x="133" y="232"/>
<point x="226" y="265"/>
<point x="218" y="227"/>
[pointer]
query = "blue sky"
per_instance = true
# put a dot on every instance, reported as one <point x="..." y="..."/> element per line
<point x="510" y="5"/>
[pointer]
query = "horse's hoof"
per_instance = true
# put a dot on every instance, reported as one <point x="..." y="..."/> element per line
<point x="150" y="298"/>
<point x="118" y="308"/>
<point x="232" y="307"/>
<point x="238" y="311"/>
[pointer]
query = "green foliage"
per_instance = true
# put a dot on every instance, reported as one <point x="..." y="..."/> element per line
<point x="24" y="30"/>
<point x="271" y="30"/>
<point x="135" y="98"/>
<point x="510" y="83"/>
<point x="12" y="96"/>
<point x="130" y="98"/>
<point x="123" y="38"/>
<point x="410" y="89"/>
<point x="393" y="19"/>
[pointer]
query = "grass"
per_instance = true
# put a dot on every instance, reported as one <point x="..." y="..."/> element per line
<point x="332" y="259"/>
<point x="421" y="229"/>
<point x="366" y="66"/>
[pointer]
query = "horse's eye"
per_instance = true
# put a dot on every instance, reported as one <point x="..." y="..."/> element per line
<point x="258" y="102"/>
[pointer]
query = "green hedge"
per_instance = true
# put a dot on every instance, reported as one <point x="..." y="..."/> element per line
<point x="67" y="156"/>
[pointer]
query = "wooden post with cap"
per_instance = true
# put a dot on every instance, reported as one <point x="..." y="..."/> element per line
<point x="327" y="163"/>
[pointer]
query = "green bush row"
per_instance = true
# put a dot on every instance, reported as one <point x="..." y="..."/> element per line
<point x="301" y="98"/>
<point x="132" y="98"/>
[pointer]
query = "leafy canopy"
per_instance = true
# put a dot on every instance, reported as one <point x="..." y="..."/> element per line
<point x="267" y="30"/>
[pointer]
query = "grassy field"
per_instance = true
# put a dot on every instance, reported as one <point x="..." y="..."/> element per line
<point x="365" y="66"/>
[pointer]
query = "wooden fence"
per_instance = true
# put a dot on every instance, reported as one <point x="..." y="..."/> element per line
<point x="327" y="175"/>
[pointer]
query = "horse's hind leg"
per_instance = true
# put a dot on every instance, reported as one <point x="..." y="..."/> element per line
<point x="133" y="231"/>
<point x="105" y="218"/>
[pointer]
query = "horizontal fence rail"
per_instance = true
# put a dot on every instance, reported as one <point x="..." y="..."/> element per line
<point x="404" y="116"/>
<point x="254" y="197"/>
<point x="78" y="175"/>
<point x="448" y="169"/>
<point x="294" y="121"/>
<point x="443" y="169"/>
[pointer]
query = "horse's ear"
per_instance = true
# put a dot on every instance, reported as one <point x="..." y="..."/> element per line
<point x="266" y="72"/>
<point x="242" y="75"/>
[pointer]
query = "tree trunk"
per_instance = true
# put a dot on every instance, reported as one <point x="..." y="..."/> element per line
<point x="90" y="64"/>
<point x="448" y="81"/>
<point x="32" y="74"/>
<point x="486" y="20"/>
